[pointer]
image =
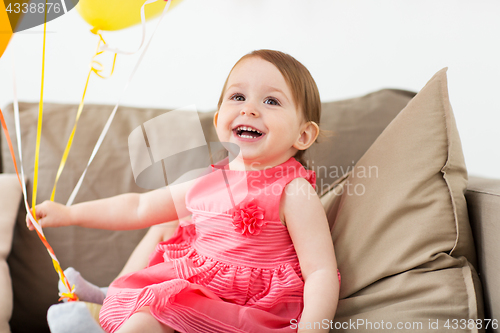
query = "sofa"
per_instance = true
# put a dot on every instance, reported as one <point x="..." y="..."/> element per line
<point x="415" y="235"/>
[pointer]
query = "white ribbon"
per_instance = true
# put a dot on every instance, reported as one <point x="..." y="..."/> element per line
<point x="111" y="117"/>
<point x="143" y="23"/>
<point x="19" y="145"/>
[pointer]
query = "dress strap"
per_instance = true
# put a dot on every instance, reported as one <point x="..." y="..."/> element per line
<point x="294" y="170"/>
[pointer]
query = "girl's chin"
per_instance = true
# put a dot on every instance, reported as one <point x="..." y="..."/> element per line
<point x="247" y="157"/>
<point x="254" y="162"/>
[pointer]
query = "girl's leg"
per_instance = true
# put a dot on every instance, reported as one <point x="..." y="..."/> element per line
<point x="143" y="321"/>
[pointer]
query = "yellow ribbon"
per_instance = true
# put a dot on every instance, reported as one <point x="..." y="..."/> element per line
<point x="97" y="71"/>
<point x="96" y="68"/>
<point x="70" y="295"/>
<point x="39" y="127"/>
<point x="94" y="62"/>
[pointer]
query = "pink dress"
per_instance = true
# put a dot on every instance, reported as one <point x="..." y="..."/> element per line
<point x="232" y="268"/>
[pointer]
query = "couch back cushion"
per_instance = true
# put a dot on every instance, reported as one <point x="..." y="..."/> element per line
<point x="483" y="202"/>
<point x="99" y="254"/>
<point x="400" y="225"/>
<point x="351" y="126"/>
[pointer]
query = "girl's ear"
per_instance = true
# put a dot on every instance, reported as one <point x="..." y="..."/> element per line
<point x="215" y="118"/>
<point x="307" y="136"/>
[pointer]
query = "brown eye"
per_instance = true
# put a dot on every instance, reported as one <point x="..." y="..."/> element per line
<point x="272" y="101"/>
<point x="238" y="97"/>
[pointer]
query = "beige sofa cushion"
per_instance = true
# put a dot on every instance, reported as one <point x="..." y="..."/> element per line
<point x="99" y="255"/>
<point x="400" y="226"/>
<point x="483" y="201"/>
<point x="352" y="125"/>
<point x="10" y="197"/>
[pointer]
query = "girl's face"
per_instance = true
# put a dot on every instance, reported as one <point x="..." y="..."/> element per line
<point x="259" y="115"/>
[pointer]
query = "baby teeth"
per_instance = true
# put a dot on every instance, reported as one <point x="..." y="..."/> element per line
<point x="246" y="128"/>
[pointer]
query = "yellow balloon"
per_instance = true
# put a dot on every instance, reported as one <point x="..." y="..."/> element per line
<point x="5" y="28"/>
<point x="118" y="14"/>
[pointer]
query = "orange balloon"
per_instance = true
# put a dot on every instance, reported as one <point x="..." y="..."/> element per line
<point x="5" y="29"/>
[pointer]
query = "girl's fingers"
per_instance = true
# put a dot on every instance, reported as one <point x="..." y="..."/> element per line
<point x="29" y="224"/>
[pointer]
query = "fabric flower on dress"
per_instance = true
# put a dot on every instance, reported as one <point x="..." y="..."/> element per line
<point x="248" y="218"/>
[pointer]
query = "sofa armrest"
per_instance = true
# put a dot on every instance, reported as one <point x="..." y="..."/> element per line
<point x="483" y="202"/>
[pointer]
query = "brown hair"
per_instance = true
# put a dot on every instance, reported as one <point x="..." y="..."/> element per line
<point x="304" y="90"/>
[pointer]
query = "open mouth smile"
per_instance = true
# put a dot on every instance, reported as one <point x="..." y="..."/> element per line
<point x="247" y="132"/>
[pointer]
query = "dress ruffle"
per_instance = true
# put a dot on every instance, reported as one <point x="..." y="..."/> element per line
<point x="243" y="285"/>
<point x="193" y="309"/>
<point x="176" y="271"/>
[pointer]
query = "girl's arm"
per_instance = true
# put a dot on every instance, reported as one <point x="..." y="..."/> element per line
<point x="122" y="212"/>
<point x="308" y="227"/>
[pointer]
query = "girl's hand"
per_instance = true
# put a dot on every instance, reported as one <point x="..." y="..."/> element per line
<point x="50" y="214"/>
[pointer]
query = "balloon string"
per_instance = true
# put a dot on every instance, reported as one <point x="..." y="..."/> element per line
<point x="106" y="47"/>
<point x="39" y="126"/>
<point x="70" y="295"/>
<point x="96" y="71"/>
<point x="113" y="113"/>
<point x="6" y="132"/>
<point x="93" y="67"/>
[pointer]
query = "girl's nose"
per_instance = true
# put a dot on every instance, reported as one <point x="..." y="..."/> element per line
<point x="249" y="111"/>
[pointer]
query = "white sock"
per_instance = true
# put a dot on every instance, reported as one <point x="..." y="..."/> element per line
<point x="72" y="317"/>
<point x="85" y="290"/>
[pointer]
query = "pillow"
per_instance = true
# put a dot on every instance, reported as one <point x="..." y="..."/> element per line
<point x="10" y="197"/>
<point x="400" y="226"/>
<point x="352" y="125"/>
